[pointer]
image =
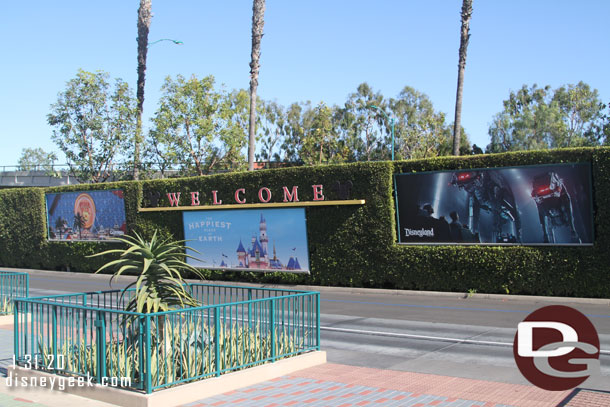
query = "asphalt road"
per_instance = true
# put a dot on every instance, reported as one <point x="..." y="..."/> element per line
<point x="445" y="335"/>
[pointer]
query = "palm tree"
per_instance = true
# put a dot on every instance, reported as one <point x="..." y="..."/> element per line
<point x="144" y="16"/>
<point x="258" y="22"/>
<point x="465" y="36"/>
<point x="79" y="224"/>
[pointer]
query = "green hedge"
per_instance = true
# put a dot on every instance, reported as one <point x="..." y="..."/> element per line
<point x="349" y="245"/>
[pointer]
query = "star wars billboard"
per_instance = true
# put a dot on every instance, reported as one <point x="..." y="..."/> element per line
<point x="530" y="205"/>
<point x="267" y="240"/>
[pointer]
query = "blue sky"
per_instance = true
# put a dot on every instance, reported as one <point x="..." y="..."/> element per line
<point x="314" y="50"/>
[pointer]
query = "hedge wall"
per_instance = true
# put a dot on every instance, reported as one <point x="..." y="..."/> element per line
<point x="348" y="245"/>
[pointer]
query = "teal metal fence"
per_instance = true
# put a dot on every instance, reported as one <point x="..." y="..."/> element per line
<point x="12" y="285"/>
<point x="236" y="327"/>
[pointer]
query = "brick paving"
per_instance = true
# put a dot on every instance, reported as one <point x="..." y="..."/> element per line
<point x="587" y="398"/>
<point x="334" y="385"/>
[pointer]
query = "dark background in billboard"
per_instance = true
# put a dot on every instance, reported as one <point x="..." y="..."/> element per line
<point x="508" y="213"/>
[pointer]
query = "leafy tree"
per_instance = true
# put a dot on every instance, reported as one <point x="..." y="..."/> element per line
<point x="144" y="17"/>
<point x="464" y="38"/>
<point x="362" y="127"/>
<point x="446" y="146"/>
<point x="604" y="126"/>
<point x="294" y="131"/>
<point x="258" y="22"/>
<point x="539" y="118"/>
<point x="232" y="135"/>
<point x="197" y="128"/>
<point x="93" y="124"/>
<point x="582" y="114"/>
<point x="421" y="131"/>
<point x="36" y="159"/>
<point x="274" y="129"/>
<point x="319" y="143"/>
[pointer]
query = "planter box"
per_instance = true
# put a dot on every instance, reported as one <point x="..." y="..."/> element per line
<point x="235" y="328"/>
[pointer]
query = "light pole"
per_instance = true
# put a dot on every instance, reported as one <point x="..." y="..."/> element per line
<point x="391" y="120"/>
<point x="166" y="39"/>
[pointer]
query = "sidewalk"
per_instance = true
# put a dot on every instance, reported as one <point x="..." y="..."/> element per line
<point x="336" y="385"/>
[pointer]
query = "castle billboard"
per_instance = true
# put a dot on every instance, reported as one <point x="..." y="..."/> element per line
<point x="268" y="240"/>
<point x="531" y="205"/>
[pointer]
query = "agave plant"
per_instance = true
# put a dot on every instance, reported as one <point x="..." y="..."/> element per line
<point x="159" y="264"/>
<point x="6" y="306"/>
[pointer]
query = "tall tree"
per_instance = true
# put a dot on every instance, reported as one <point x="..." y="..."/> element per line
<point x="144" y="17"/>
<point x="258" y="22"/>
<point x="421" y="131"/>
<point x="464" y="38"/>
<point x="36" y="159"/>
<point x="93" y="124"/>
<point x="320" y="143"/>
<point x="540" y="118"/>
<point x="362" y="126"/>
<point x="274" y="128"/>
<point x="197" y="128"/>
<point x="582" y="113"/>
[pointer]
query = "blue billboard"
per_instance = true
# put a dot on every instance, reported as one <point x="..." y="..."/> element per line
<point x="85" y="215"/>
<point x="248" y="239"/>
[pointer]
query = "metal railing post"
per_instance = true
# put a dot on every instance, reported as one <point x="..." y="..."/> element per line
<point x="54" y="337"/>
<point x="16" y="330"/>
<point x="148" y="374"/>
<point x="100" y="324"/>
<point x="272" y="326"/>
<point x="217" y="339"/>
<point x="141" y="341"/>
<point x="250" y="307"/>
<point x="318" y="321"/>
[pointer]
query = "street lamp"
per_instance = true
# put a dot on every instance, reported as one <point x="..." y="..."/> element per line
<point x="391" y="120"/>
<point x="166" y="39"/>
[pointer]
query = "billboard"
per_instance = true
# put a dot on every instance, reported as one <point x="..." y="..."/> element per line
<point x="248" y="239"/>
<point x="533" y="205"/>
<point x="85" y="215"/>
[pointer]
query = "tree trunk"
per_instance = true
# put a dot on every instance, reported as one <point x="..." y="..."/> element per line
<point x="144" y="16"/>
<point x="464" y="38"/>
<point x="258" y="22"/>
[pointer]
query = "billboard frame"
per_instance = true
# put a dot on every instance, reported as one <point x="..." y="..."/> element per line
<point x="591" y="207"/>
<point x="245" y="269"/>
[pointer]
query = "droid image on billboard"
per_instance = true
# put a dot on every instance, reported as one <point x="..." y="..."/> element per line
<point x="533" y="205"/>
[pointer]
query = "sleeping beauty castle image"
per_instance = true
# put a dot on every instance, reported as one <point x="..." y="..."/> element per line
<point x="257" y="255"/>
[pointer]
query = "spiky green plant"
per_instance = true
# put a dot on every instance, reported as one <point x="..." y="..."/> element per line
<point x="183" y="352"/>
<point x="6" y="306"/>
<point x="160" y="264"/>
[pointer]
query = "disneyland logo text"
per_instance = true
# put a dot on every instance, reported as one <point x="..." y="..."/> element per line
<point x="419" y="232"/>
